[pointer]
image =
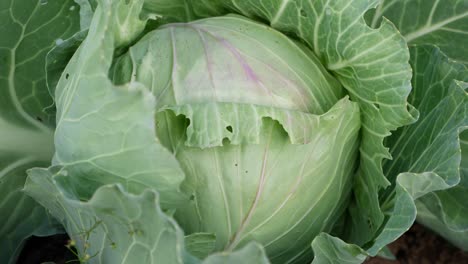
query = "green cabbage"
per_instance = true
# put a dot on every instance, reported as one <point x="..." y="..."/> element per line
<point x="217" y="131"/>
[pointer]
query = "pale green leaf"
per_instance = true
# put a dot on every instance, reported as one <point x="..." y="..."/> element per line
<point x="112" y="226"/>
<point x="458" y="237"/>
<point x="114" y="125"/>
<point x="446" y="212"/>
<point x="331" y="250"/>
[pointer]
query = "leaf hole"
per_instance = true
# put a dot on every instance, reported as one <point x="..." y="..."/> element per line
<point x="229" y="128"/>
<point x="303" y="13"/>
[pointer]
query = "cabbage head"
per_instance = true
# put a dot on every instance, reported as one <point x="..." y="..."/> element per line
<point x="266" y="137"/>
<point x="223" y="131"/>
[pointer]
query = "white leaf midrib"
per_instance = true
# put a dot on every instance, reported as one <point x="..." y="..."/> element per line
<point x="427" y="29"/>
<point x="11" y="77"/>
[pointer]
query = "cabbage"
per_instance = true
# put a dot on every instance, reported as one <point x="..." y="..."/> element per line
<point x="232" y="131"/>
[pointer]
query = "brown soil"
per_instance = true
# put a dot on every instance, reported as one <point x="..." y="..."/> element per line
<point x="421" y="246"/>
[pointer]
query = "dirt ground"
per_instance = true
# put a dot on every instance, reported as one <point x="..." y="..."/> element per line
<point x="47" y="249"/>
<point x="417" y="246"/>
<point x="421" y="246"/>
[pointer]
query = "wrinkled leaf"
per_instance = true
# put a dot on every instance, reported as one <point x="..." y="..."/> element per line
<point x="427" y="153"/>
<point x="114" y="125"/>
<point x="449" y="224"/>
<point x="112" y="226"/>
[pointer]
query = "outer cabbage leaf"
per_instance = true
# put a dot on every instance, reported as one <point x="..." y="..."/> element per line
<point x="330" y="249"/>
<point x="427" y="154"/>
<point x="440" y="22"/>
<point x="449" y="207"/>
<point x="427" y="157"/>
<point x="114" y="125"/>
<point x="448" y="213"/>
<point x="112" y="226"/>
<point x="432" y="145"/>
<point x="443" y="23"/>
<point x="29" y="30"/>
<point x="21" y="217"/>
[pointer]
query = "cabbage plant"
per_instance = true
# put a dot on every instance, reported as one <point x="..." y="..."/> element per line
<point x="223" y="131"/>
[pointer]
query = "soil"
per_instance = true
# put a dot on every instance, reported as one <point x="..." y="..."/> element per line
<point x="417" y="246"/>
<point x="422" y="246"/>
<point x="49" y="249"/>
